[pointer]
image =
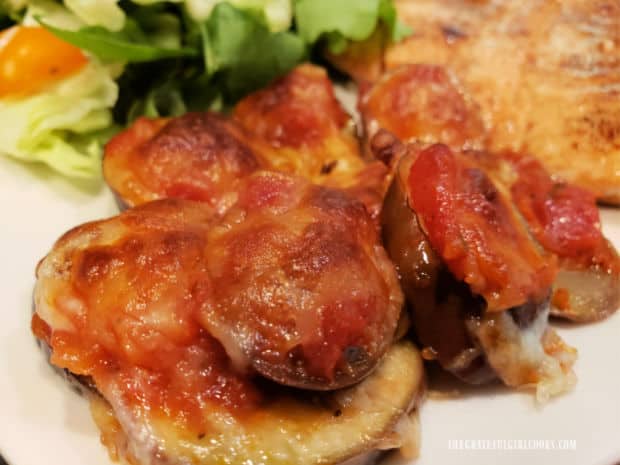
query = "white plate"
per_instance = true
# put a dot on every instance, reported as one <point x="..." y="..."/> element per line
<point x="42" y="421"/>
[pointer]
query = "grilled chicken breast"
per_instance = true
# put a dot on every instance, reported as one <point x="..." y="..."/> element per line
<point x="544" y="74"/>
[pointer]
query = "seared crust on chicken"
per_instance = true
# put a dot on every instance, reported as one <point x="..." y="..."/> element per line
<point x="545" y="75"/>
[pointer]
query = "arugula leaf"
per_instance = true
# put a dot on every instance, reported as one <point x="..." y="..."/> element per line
<point x="130" y="44"/>
<point x="344" y="20"/>
<point x="242" y="50"/>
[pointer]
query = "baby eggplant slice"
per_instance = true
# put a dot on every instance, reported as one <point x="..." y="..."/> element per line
<point x="426" y="104"/>
<point x="286" y="426"/>
<point x="476" y="284"/>
<point x="422" y="103"/>
<point x="298" y="126"/>
<point x="302" y="286"/>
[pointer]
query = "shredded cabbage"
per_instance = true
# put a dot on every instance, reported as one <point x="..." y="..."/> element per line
<point x="59" y="127"/>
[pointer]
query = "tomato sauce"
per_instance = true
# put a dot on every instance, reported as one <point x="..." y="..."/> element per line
<point x="564" y="218"/>
<point x="474" y="229"/>
<point x="132" y="325"/>
<point x="299" y="109"/>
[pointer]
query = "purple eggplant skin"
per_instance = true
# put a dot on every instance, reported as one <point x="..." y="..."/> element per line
<point x="438" y="303"/>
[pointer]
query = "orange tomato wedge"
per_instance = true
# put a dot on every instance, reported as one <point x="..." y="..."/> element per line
<point x="31" y="58"/>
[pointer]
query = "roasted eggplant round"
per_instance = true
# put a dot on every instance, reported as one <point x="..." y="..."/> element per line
<point x="287" y="426"/>
<point x="293" y="282"/>
<point x="170" y="314"/>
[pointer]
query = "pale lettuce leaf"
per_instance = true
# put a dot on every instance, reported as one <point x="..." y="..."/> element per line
<point x="104" y="13"/>
<point x="61" y="126"/>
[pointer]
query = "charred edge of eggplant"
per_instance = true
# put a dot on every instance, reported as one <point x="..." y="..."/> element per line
<point x="121" y="203"/>
<point x="425" y="279"/>
<point x="359" y="365"/>
<point x="82" y="385"/>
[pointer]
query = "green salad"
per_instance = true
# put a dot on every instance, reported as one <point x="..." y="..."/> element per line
<point x="153" y="58"/>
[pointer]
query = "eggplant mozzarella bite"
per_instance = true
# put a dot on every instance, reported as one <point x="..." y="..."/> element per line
<point x="477" y="285"/>
<point x="426" y="104"/>
<point x="191" y="327"/>
<point x="295" y="125"/>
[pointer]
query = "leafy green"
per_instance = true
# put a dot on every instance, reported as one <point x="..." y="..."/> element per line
<point x="63" y="127"/>
<point x="130" y="44"/>
<point x="8" y="7"/>
<point x="276" y="14"/>
<point x="243" y="51"/>
<point x="161" y="28"/>
<point x="344" y="20"/>
<point x="11" y="11"/>
<point x="389" y="15"/>
<point x="171" y="57"/>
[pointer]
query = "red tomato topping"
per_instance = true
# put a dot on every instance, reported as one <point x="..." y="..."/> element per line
<point x="475" y="231"/>
<point x="564" y="218"/>
<point x="296" y="110"/>
<point x="197" y="156"/>
<point x="130" y="310"/>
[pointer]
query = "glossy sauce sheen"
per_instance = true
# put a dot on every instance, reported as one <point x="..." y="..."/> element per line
<point x="116" y="301"/>
<point x="298" y="126"/>
<point x="169" y="306"/>
<point x="450" y="315"/>
<point x="298" y="110"/>
<point x="301" y="283"/>
<point x="564" y="218"/>
<point x="473" y="227"/>
<point x="198" y="156"/>
<point x="426" y="104"/>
